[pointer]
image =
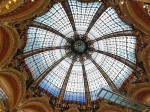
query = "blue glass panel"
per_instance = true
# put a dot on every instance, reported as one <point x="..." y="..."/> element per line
<point x="102" y="93"/>
<point x="119" y="100"/>
<point x="113" y="98"/>
<point x="95" y="79"/>
<point x="74" y="96"/>
<point x="108" y="95"/>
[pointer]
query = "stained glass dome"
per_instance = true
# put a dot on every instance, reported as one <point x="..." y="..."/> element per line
<point x="76" y="49"/>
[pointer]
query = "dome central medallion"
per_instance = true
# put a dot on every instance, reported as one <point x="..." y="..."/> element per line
<point x="79" y="46"/>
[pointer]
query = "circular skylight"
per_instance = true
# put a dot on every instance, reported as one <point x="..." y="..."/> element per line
<point x="76" y="49"/>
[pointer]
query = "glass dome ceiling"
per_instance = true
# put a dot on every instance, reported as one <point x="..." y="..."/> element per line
<point x="76" y="49"/>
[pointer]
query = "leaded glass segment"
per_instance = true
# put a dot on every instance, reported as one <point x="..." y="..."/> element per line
<point x="39" y="38"/>
<point x="83" y="14"/>
<point x="95" y="79"/>
<point x="75" y="88"/>
<point x="54" y="79"/>
<point x="123" y="46"/>
<point x="108" y="23"/>
<point x="116" y="70"/>
<point x="40" y="62"/>
<point x="57" y="19"/>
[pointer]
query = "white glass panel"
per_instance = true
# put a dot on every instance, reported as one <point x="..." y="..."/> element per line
<point x="107" y="23"/>
<point x="83" y="14"/>
<point x="95" y="80"/>
<point x="123" y="46"/>
<point x="117" y="71"/>
<point x="39" y="38"/>
<point x="56" y="18"/>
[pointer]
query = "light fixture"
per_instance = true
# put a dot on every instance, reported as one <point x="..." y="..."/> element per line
<point x="122" y="2"/>
<point x="14" y="0"/>
<point x="9" y="2"/>
<point x="144" y="6"/>
<point x="32" y="0"/>
<point x="7" y="6"/>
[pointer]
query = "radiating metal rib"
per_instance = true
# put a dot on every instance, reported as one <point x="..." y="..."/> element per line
<point x="63" y="88"/>
<point x="36" y="51"/>
<point x="106" y="77"/>
<point x="47" y="28"/>
<point x="99" y="12"/>
<point x="116" y="34"/>
<point x="67" y="9"/>
<point x="86" y="85"/>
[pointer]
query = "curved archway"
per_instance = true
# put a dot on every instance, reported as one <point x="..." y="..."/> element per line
<point x="13" y="84"/>
<point x="9" y="42"/>
<point x="140" y="91"/>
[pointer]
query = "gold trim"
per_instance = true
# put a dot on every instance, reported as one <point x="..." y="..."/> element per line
<point x="1" y="40"/>
<point x="14" y="44"/>
<point x="41" y="102"/>
<point x="13" y="6"/>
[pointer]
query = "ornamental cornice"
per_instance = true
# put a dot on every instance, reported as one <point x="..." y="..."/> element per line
<point x="38" y="101"/>
<point x="146" y="59"/>
<point x="134" y="89"/>
<point x="28" y="13"/>
<point x="8" y="6"/>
